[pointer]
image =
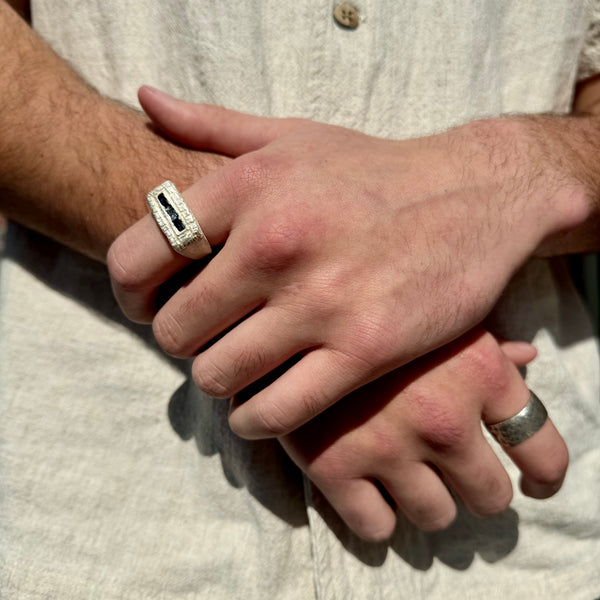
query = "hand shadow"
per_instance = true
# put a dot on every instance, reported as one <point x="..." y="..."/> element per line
<point x="265" y="467"/>
<point x="492" y="538"/>
<point x="261" y="466"/>
<point x="274" y="480"/>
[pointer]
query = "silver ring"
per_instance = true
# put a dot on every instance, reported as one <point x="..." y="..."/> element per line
<point x="176" y="221"/>
<point x="523" y="425"/>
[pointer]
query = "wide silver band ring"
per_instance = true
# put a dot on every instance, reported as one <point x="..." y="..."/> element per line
<point x="176" y="221"/>
<point x="522" y="426"/>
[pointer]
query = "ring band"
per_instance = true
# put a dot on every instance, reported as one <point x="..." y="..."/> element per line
<point x="523" y="425"/>
<point x="176" y="221"/>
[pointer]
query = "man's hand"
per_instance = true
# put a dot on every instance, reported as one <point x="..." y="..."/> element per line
<point x="354" y="253"/>
<point x="417" y="430"/>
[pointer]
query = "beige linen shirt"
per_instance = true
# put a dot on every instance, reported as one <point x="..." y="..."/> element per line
<point x="119" y="480"/>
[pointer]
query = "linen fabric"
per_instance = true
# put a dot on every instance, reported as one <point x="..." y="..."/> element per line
<point x="118" y="479"/>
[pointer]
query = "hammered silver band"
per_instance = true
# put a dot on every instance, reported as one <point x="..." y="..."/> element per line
<point x="522" y="426"/>
<point x="176" y="221"/>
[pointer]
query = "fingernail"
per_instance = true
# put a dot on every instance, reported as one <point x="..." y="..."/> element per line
<point x="540" y="490"/>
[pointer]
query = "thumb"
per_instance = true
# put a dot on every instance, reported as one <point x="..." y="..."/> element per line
<point x="208" y="127"/>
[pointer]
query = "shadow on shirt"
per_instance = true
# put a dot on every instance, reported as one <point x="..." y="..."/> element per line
<point x="262" y="467"/>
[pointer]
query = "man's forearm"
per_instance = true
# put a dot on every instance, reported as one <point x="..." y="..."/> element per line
<point x="570" y="148"/>
<point x="586" y="103"/>
<point x="576" y="140"/>
<point x="74" y="165"/>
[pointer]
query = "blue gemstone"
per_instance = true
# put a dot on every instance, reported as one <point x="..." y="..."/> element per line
<point x="171" y="212"/>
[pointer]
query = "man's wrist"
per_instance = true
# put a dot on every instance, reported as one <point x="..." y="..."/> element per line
<point x="552" y="164"/>
<point x="569" y="150"/>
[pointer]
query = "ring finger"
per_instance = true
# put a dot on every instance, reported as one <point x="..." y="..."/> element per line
<point x="141" y="258"/>
<point x="542" y="457"/>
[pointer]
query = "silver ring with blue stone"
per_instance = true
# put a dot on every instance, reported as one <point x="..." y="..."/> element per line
<point x="177" y="222"/>
<point x="522" y="426"/>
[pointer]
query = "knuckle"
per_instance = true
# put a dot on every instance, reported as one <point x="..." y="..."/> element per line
<point x="174" y="324"/>
<point x="377" y="346"/>
<point x="445" y="436"/>
<point x="485" y="363"/>
<point x="168" y="334"/>
<point x="211" y="378"/>
<point x="252" y="172"/>
<point x="274" y="419"/>
<point x="121" y="264"/>
<point x="370" y="527"/>
<point x="190" y="306"/>
<point x="496" y="498"/>
<point x="311" y="403"/>
<point x="441" y="424"/>
<point x="551" y="471"/>
<point x="277" y="243"/>
<point x="263" y="421"/>
<point x="329" y="467"/>
<point x="247" y="364"/>
<point x="434" y="519"/>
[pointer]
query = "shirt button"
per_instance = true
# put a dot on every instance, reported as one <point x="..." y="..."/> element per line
<point x="346" y="15"/>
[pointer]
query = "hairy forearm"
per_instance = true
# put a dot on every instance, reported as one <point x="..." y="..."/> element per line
<point x="572" y="144"/>
<point x="569" y="147"/>
<point x="74" y="165"/>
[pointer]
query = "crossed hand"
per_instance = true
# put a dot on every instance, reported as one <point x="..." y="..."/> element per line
<point x="362" y="266"/>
